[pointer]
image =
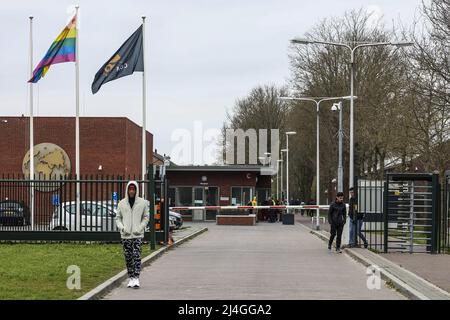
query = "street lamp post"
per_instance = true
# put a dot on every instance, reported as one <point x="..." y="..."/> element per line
<point x="352" y="75"/>
<point x="289" y="133"/>
<point x="278" y="169"/>
<point x="340" y="186"/>
<point x="281" y="182"/>
<point x="317" y="101"/>
<point x="278" y="166"/>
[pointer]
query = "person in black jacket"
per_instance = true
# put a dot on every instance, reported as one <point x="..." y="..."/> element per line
<point x="337" y="215"/>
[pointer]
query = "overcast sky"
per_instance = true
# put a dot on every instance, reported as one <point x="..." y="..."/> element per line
<point x="201" y="55"/>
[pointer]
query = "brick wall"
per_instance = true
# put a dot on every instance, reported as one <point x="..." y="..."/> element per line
<point x="244" y="220"/>
<point x="115" y="143"/>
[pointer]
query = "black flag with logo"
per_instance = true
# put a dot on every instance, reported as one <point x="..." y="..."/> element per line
<point x="128" y="59"/>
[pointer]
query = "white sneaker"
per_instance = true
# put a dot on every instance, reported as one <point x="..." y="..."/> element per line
<point x="136" y="283"/>
<point x="130" y="283"/>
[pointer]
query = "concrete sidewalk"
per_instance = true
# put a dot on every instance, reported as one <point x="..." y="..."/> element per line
<point x="179" y="237"/>
<point x="266" y="261"/>
<point x="432" y="268"/>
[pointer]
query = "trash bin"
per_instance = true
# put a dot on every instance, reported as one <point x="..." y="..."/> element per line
<point x="288" y="218"/>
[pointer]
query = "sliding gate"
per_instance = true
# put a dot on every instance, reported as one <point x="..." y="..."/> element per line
<point x="412" y="215"/>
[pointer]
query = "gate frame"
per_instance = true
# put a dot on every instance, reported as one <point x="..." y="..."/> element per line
<point x="445" y="238"/>
<point x="435" y="204"/>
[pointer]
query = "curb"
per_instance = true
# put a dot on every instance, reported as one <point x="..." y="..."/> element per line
<point x="398" y="284"/>
<point x="412" y="293"/>
<point x="115" y="281"/>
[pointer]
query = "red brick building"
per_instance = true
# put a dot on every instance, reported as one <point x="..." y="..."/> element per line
<point x="107" y="145"/>
<point x="215" y="185"/>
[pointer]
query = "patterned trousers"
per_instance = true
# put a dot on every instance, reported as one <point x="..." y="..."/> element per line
<point x="132" y="252"/>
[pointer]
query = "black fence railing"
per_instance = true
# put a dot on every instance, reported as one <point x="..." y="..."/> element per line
<point x="47" y="208"/>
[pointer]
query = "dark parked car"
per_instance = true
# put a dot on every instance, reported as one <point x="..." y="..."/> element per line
<point x="177" y="219"/>
<point x="14" y="213"/>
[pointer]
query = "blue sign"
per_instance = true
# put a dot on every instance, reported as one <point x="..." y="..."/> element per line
<point x="114" y="196"/>
<point x="55" y="200"/>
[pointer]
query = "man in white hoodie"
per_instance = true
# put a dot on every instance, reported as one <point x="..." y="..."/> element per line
<point x="132" y="219"/>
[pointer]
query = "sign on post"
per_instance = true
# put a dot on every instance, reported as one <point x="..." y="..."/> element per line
<point x="114" y="198"/>
<point x="55" y="200"/>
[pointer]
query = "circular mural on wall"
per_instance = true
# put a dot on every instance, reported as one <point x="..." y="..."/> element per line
<point x="50" y="163"/>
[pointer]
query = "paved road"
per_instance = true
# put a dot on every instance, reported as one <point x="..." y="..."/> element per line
<point x="267" y="261"/>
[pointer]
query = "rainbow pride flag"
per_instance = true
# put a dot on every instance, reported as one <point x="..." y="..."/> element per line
<point x="61" y="50"/>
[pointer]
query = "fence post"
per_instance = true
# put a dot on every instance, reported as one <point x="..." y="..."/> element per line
<point x="435" y="213"/>
<point x="385" y="213"/>
<point x="151" y="199"/>
<point x="166" y="210"/>
<point x="358" y="207"/>
<point x="446" y="209"/>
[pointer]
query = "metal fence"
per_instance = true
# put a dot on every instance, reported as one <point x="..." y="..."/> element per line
<point x="404" y="213"/>
<point x="370" y="204"/>
<point x="46" y="208"/>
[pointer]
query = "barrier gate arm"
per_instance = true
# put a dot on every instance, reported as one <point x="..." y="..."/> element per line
<point x="301" y="207"/>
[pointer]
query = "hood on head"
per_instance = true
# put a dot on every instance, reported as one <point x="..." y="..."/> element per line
<point x="128" y="185"/>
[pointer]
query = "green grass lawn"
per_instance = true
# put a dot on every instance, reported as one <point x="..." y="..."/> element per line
<point x="38" y="271"/>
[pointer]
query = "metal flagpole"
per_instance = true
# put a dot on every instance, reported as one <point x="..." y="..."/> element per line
<point x="77" y="119"/>
<point x="144" y="96"/>
<point x="31" y="128"/>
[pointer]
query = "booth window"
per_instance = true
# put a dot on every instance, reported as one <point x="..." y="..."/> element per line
<point x="241" y="195"/>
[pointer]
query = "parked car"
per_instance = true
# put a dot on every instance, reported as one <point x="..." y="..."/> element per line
<point x="178" y="219"/>
<point x="95" y="216"/>
<point x="172" y="222"/>
<point x="14" y="213"/>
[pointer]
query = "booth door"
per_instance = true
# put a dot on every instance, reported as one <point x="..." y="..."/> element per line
<point x="212" y="199"/>
<point x="199" y="201"/>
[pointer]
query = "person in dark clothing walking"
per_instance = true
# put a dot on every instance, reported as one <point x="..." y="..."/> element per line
<point x="337" y="214"/>
<point x="356" y="221"/>
<point x="311" y="202"/>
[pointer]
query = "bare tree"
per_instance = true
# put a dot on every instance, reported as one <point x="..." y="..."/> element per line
<point x="260" y="109"/>
<point x="325" y="71"/>
<point x="428" y="89"/>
